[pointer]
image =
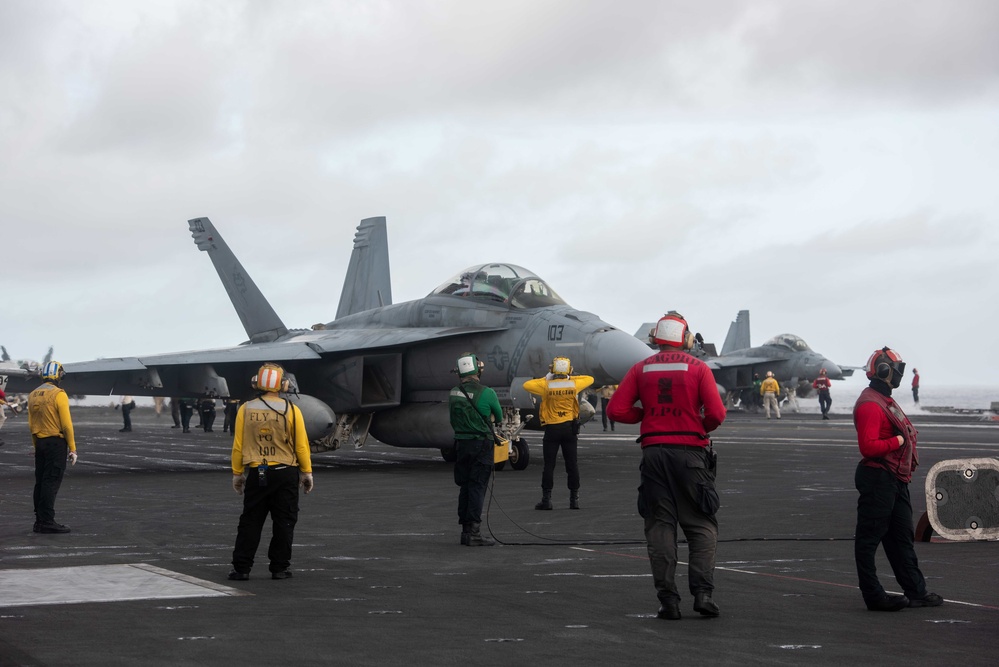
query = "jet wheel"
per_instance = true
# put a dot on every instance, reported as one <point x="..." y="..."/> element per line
<point x="521" y="455"/>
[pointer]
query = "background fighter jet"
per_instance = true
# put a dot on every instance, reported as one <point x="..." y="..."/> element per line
<point x="383" y="368"/>
<point x="793" y="363"/>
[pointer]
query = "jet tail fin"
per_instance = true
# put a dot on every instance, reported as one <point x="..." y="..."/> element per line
<point x="48" y="356"/>
<point x="4" y="356"/>
<point x="368" y="283"/>
<point x="738" y="334"/>
<point x="262" y="324"/>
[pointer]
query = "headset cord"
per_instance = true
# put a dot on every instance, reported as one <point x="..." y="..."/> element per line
<point x="554" y="542"/>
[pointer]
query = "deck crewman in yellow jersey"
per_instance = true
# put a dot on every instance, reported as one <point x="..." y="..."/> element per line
<point x="272" y="447"/>
<point x="52" y="436"/>
<point x="559" y="413"/>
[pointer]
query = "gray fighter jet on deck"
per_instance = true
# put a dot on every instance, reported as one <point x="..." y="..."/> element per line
<point x="793" y="363"/>
<point x="788" y="356"/>
<point x="383" y="368"/>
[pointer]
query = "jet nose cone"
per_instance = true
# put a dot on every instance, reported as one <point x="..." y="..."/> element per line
<point x="833" y="372"/>
<point x="611" y="353"/>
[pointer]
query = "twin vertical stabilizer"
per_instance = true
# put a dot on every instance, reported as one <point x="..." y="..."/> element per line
<point x="368" y="283"/>
<point x="262" y="324"/>
<point x="738" y="334"/>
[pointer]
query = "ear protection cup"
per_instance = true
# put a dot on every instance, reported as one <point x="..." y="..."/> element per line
<point x="882" y="371"/>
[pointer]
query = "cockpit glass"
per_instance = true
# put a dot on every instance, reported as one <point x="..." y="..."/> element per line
<point x="502" y="283"/>
<point x="789" y="341"/>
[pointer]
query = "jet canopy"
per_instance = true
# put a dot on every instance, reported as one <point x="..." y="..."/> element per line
<point x="506" y="283"/>
<point x="789" y="341"/>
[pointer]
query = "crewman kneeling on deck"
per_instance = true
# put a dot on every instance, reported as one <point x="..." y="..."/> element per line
<point x="272" y="447"/>
<point x="559" y="415"/>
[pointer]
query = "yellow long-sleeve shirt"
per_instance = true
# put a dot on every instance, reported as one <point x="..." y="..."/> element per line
<point x="770" y="384"/>
<point x="48" y="415"/>
<point x="558" y="397"/>
<point x="301" y="438"/>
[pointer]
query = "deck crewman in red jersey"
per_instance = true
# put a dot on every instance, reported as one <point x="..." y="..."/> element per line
<point x="822" y="384"/>
<point x="887" y="441"/>
<point x="680" y="405"/>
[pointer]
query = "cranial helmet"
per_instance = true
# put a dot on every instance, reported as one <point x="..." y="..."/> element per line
<point x="270" y="377"/>
<point x="53" y="371"/>
<point x="770" y="374"/>
<point x="672" y="330"/>
<point x="561" y="366"/>
<point x="469" y="364"/>
<point x="822" y="372"/>
<point x="886" y="364"/>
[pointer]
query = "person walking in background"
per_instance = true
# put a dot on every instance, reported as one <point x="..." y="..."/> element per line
<point x="127" y="405"/>
<point x="674" y="396"/>
<point x="51" y="428"/>
<point x="606" y="392"/>
<point x="187" y="410"/>
<point x="559" y="413"/>
<point x="822" y="384"/>
<point x="770" y="390"/>
<point x="887" y="441"/>
<point x="3" y="411"/>
<point x="915" y="386"/>
<point x="206" y="406"/>
<point x="175" y="411"/>
<point x="230" y="406"/>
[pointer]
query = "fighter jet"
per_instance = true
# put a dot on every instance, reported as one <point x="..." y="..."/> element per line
<point x="793" y="363"/>
<point x="380" y="368"/>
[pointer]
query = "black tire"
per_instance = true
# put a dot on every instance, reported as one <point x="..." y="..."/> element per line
<point x="521" y="455"/>
<point x="449" y="454"/>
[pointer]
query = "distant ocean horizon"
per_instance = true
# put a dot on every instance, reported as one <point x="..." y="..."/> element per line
<point x="962" y="397"/>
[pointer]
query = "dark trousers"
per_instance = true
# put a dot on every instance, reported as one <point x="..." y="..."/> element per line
<point x="229" y="414"/>
<point x="884" y="516"/>
<point x="185" y="415"/>
<point x="472" y="469"/>
<point x="825" y="401"/>
<point x="671" y="477"/>
<point x="915" y="394"/>
<point x="603" y="413"/>
<point x="207" y="419"/>
<point x="50" y="465"/>
<point x="126" y="416"/>
<point x="175" y="411"/>
<point x="279" y="498"/>
<point x="560" y="436"/>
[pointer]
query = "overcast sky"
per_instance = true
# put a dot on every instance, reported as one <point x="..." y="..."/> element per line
<point x="831" y="166"/>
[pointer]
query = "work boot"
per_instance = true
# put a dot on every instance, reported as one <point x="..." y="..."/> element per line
<point x="546" y="500"/>
<point x="928" y="600"/>
<point x="669" y="611"/>
<point x="475" y="538"/>
<point x="238" y="576"/>
<point x="464" y="534"/>
<point x="574" y="499"/>
<point x="704" y="605"/>
<point x="52" y="527"/>
<point x="888" y="603"/>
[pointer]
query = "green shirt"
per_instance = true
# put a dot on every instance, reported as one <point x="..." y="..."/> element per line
<point x="471" y="423"/>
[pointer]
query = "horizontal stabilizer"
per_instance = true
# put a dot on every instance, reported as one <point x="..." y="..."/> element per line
<point x="259" y="319"/>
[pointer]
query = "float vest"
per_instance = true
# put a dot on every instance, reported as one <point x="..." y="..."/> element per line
<point x="268" y="433"/>
<point x="900" y="462"/>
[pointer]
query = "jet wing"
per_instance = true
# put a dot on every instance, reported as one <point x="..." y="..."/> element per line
<point x="735" y="362"/>
<point x="206" y="371"/>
